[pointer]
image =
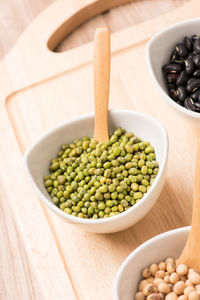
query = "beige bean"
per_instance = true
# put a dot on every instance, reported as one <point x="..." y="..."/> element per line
<point x="153" y="268"/>
<point x="193" y="296"/>
<point x="157" y="281"/>
<point x="182" y="269"/>
<point x="183" y="297"/>
<point x="183" y="278"/>
<point x="170" y="260"/>
<point x="189" y="283"/>
<point x="192" y="270"/>
<point x="171" y="267"/>
<point x="188" y="290"/>
<point x="197" y="287"/>
<point x="142" y="284"/>
<point x="174" y="277"/>
<point x="171" y="296"/>
<point x="150" y="279"/>
<point x="169" y="280"/>
<point x="146" y="273"/>
<point x="139" y="296"/>
<point x="162" y="266"/>
<point x="155" y="289"/>
<point x="154" y="296"/>
<point x="176" y="262"/>
<point x="148" y="289"/>
<point x="160" y="274"/>
<point x="194" y="277"/>
<point x="179" y="287"/>
<point x="166" y="279"/>
<point x="163" y="288"/>
<point x="162" y="296"/>
<point x="171" y="287"/>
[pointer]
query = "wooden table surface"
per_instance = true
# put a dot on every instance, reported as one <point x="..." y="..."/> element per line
<point x="17" y="281"/>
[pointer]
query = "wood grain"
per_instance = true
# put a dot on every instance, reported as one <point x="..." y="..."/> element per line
<point x="31" y="114"/>
<point x="117" y="19"/>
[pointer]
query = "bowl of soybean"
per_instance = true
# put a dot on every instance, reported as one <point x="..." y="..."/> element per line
<point x="168" y="46"/>
<point x="166" y="245"/>
<point x="117" y="210"/>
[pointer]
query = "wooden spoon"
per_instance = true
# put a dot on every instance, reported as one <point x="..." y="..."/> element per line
<point x="101" y="83"/>
<point x="191" y="253"/>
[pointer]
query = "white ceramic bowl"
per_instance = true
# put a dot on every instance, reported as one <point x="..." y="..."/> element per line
<point x="168" y="244"/>
<point x="37" y="160"/>
<point x="158" y="50"/>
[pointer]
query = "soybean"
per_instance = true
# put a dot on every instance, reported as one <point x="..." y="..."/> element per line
<point x="168" y="280"/>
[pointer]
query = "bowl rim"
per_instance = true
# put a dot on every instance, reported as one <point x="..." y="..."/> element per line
<point x="131" y="256"/>
<point x="170" y="101"/>
<point x="77" y="220"/>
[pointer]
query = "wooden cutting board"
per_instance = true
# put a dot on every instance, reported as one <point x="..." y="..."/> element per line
<point x="40" y="89"/>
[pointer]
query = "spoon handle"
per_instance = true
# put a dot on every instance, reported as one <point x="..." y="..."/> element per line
<point x="191" y="253"/>
<point x="101" y="83"/>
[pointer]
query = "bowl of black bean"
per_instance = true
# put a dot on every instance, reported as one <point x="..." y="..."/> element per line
<point x="173" y="59"/>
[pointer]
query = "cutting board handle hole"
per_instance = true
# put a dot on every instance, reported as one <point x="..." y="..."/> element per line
<point x="100" y="14"/>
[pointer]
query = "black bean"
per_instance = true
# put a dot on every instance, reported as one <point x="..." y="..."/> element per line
<point x="180" y="103"/>
<point x="173" y="94"/>
<point x="197" y="106"/>
<point x="190" y="80"/>
<point x="181" y="50"/>
<point x="174" y="56"/>
<point x="189" y="104"/>
<point x="172" y="68"/>
<point x="180" y="62"/>
<point x="195" y="37"/>
<point x="171" y="77"/>
<point x="193" y="84"/>
<point x="196" y="60"/>
<point x="182" y="74"/>
<point x="189" y="65"/>
<point x="171" y="86"/>
<point x="182" y="78"/>
<point x="196" y="74"/>
<point x="190" y="55"/>
<point x="195" y="95"/>
<point x="197" y="45"/>
<point x="181" y="92"/>
<point x="188" y="43"/>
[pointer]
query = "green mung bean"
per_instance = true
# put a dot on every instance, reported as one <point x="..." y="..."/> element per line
<point x="96" y="180"/>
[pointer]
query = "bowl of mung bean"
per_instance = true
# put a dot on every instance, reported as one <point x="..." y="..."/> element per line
<point x="102" y="187"/>
<point x="173" y="59"/>
<point x="152" y="272"/>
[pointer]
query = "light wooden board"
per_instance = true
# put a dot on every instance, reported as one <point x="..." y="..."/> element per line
<point x="78" y="264"/>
